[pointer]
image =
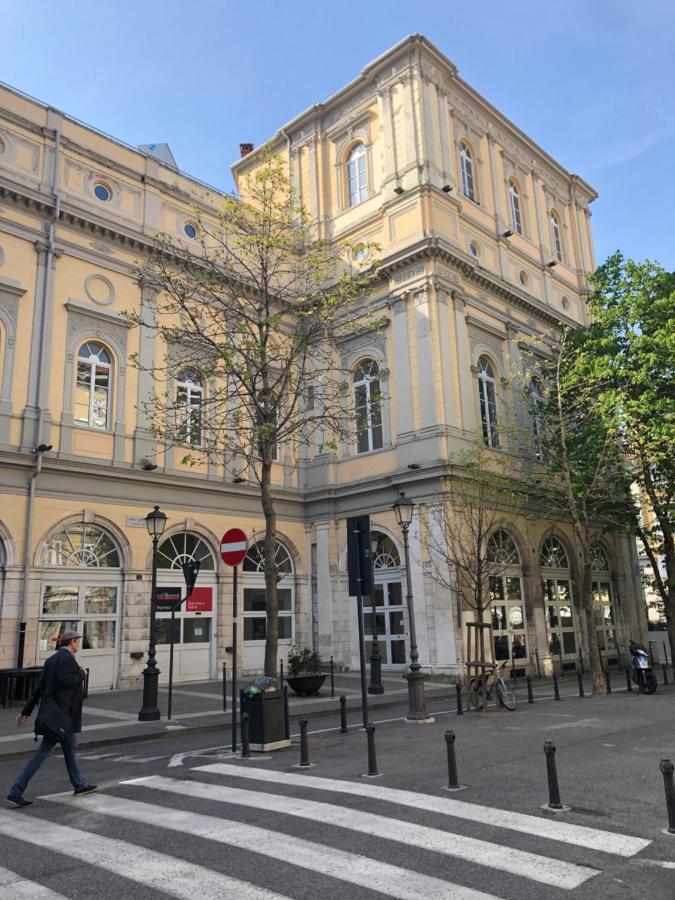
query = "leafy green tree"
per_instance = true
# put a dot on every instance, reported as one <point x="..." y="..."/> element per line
<point x="629" y="353"/>
<point x="256" y="306"/>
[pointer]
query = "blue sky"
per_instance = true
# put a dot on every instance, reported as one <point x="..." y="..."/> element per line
<point x="592" y="81"/>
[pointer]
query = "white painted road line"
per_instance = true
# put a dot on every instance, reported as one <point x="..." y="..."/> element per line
<point x="579" y="835"/>
<point x="394" y="881"/>
<point x="19" y="888"/>
<point x="172" y="876"/>
<point x="495" y="856"/>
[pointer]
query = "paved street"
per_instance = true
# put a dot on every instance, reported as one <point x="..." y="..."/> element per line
<point x="166" y="823"/>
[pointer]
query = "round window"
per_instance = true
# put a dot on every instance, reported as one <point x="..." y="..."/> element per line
<point x="524" y="280"/>
<point x="102" y="192"/>
<point x="361" y="253"/>
<point x="190" y="230"/>
<point x="474" y="249"/>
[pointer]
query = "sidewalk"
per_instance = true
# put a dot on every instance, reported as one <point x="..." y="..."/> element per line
<point x="112" y="716"/>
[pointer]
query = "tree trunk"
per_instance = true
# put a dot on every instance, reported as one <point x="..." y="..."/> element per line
<point x="271" y="569"/>
<point x="669" y="599"/>
<point x="597" y="675"/>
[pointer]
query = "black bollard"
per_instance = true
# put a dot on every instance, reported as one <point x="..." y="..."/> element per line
<point x="287" y="718"/>
<point x="530" y="696"/>
<point x="580" y="679"/>
<point x="669" y="785"/>
<point x="372" y="759"/>
<point x="224" y="688"/>
<point x="665" y="673"/>
<point x="608" y="681"/>
<point x="245" y="751"/>
<point x="629" y="685"/>
<point x="556" y="690"/>
<point x="452" y="761"/>
<point x="536" y="659"/>
<point x="332" y="677"/>
<point x="281" y="674"/>
<point x="552" y="774"/>
<point x="304" y="746"/>
<point x="458" y="689"/>
<point x="343" y="715"/>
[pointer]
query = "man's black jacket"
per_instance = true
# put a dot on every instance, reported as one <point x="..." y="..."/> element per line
<point x="68" y="686"/>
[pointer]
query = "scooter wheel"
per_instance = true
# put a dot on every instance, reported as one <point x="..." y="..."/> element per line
<point x="650" y="683"/>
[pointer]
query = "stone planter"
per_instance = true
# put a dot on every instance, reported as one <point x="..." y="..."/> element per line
<point x="306" y="685"/>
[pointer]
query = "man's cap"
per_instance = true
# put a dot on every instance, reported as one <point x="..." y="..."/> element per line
<point x="68" y="636"/>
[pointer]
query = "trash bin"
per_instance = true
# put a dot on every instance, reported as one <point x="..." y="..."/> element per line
<point x="267" y="720"/>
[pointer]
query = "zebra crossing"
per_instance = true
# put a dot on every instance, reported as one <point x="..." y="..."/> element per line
<point x="198" y="834"/>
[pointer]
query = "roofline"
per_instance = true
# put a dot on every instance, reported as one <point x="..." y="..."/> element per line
<point x="366" y="75"/>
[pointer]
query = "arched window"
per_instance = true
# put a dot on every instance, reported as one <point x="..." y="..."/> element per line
<point x="367" y="406"/>
<point x="506" y="597"/>
<point x="603" y="606"/>
<point x="184" y="547"/>
<point x="514" y="207"/>
<point x="556" y="236"/>
<point x="189" y="406"/>
<point x="255" y="613"/>
<point x="82" y="591"/>
<point x="357" y="181"/>
<point x="466" y="170"/>
<point x="487" y="396"/>
<point x="92" y="390"/>
<point x="536" y="398"/>
<point x="558" y="602"/>
<point x="386" y="604"/>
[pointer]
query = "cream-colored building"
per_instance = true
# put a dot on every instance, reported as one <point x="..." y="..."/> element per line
<point x="484" y="238"/>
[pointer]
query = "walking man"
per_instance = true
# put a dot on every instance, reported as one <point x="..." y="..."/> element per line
<point x="59" y="717"/>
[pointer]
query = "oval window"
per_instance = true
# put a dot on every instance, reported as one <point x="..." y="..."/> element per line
<point x="102" y="192"/>
<point x="190" y="230"/>
<point x="361" y="253"/>
<point x="524" y="280"/>
<point x="474" y="249"/>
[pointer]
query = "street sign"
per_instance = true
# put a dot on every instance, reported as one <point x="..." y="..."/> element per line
<point x="233" y="546"/>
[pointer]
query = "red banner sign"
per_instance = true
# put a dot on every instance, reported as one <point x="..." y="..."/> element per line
<point x="200" y="600"/>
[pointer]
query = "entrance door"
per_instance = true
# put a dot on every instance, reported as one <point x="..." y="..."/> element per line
<point x="390" y="620"/>
<point x="559" y="607"/>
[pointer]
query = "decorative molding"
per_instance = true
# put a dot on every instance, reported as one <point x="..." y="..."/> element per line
<point x="105" y="294"/>
<point x="81" y="313"/>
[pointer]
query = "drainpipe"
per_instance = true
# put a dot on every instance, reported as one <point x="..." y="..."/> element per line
<point x="38" y="451"/>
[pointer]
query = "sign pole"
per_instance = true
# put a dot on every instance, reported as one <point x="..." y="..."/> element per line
<point x="362" y="637"/>
<point x="173" y="619"/>
<point x="234" y="659"/>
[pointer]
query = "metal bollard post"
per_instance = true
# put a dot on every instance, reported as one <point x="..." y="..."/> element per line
<point x="452" y="761"/>
<point x="332" y="677"/>
<point x="304" y="746"/>
<point x="536" y="658"/>
<point x="552" y="774"/>
<point x="343" y="715"/>
<point x="530" y="696"/>
<point x="669" y="785"/>
<point x="608" y="681"/>
<point x="281" y="674"/>
<point x="556" y="689"/>
<point x="224" y="688"/>
<point x="458" y="689"/>
<point x="287" y="718"/>
<point x="629" y="685"/>
<point x="245" y="752"/>
<point x="665" y="673"/>
<point x="580" y="679"/>
<point x="372" y="759"/>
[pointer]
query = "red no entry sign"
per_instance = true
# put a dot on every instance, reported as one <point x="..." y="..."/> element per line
<point x="233" y="546"/>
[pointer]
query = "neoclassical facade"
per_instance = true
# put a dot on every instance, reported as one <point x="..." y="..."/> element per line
<point x="485" y="240"/>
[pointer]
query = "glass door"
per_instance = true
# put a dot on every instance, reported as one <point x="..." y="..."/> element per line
<point x="560" y="621"/>
<point x="389" y="624"/>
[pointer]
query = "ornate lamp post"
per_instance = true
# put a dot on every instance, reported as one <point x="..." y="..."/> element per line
<point x="375" y="686"/>
<point x="417" y="708"/>
<point x="156" y="523"/>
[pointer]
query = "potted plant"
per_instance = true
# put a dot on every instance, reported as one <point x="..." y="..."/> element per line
<point x="304" y="671"/>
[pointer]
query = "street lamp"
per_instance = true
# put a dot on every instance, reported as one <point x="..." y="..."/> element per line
<point x="156" y="523"/>
<point x="417" y="709"/>
<point x="375" y="686"/>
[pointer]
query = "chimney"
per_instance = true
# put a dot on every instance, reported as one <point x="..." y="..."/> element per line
<point x="245" y="149"/>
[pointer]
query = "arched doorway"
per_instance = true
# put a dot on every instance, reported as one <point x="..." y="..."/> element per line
<point x="603" y="603"/>
<point x="559" y="602"/>
<point x="82" y="590"/>
<point x="388" y="602"/>
<point x="255" y="615"/>
<point x="194" y="624"/>
<point x="506" y="597"/>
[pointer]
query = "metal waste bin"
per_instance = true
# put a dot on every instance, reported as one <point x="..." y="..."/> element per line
<point x="268" y="727"/>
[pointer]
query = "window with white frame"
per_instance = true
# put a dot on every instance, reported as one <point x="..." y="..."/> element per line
<point x="368" y="406"/>
<point x="255" y="608"/>
<point x="507" y="609"/>
<point x="466" y="170"/>
<point x="92" y="388"/>
<point x="357" y="179"/>
<point x="559" y="602"/>
<point x="487" y="396"/>
<point x="515" y="208"/>
<point x="189" y="407"/>
<point x="556" y="236"/>
<point x="603" y="606"/>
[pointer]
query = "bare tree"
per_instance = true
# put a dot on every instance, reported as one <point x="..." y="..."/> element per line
<point x="253" y="311"/>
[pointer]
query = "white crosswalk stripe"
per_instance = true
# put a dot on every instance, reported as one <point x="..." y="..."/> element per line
<point x="17" y="887"/>
<point x="545" y="870"/>
<point x="350" y="867"/>
<point x="579" y="835"/>
<point x="175" y="877"/>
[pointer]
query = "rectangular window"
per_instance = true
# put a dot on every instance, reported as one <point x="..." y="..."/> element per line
<point x="60" y="600"/>
<point x="49" y="632"/>
<point x="99" y="634"/>
<point x="100" y="600"/>
<point x="196" y="630"/>
<point x="163" y="631"/>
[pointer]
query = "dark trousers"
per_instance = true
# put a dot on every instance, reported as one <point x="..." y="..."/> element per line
<point x="69" y="746"/>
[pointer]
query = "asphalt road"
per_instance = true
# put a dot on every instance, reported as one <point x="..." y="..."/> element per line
<point x="210" y="825"/>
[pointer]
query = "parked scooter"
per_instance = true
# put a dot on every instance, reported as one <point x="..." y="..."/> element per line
<point x="641" y="670"/>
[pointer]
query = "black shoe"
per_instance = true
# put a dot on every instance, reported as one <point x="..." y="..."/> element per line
<point x="87" y="789"/>
<point x="19" y="802"/>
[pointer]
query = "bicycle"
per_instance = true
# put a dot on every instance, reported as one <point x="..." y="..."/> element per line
<point x="481" y="688"/>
